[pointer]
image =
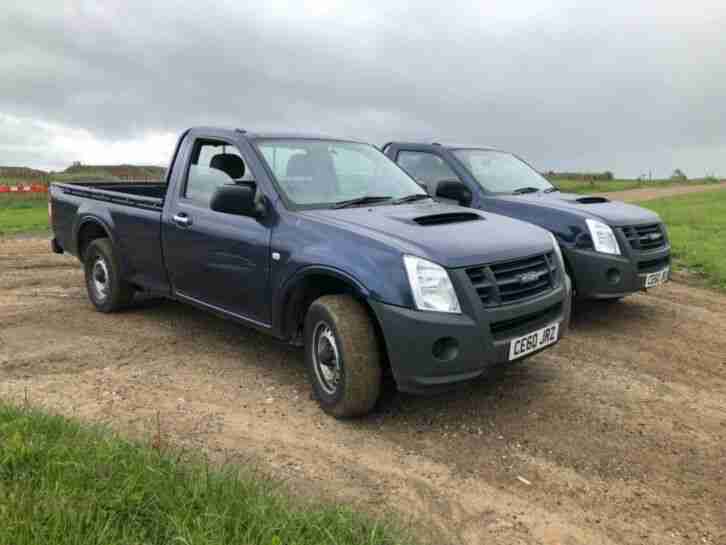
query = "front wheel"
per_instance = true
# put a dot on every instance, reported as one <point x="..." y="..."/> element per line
<point x="342" y="356"/>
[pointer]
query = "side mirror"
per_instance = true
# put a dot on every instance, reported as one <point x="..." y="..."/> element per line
<point x="454" y="190"/>
<point x="238" y="200"/>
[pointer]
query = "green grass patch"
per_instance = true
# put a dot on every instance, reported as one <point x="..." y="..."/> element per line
<point x="583" y="187"/>
<point x="697" y="229"/>
<point x="86" y="175"/>
<point x="23" y="214"/>
<point x="63" y="482"/>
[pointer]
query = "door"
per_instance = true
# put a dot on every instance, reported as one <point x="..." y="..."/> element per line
<point x="217" y="259"/>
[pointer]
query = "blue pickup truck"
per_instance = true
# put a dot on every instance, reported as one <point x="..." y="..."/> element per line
<point x="326" y="244"/>
<point x="611" y="249"/>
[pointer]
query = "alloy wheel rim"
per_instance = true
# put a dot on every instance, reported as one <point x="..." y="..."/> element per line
<point x="99" y="277"/>
<point x="326" y="358"/>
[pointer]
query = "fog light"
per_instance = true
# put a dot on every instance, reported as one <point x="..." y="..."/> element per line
<point x="613" y="276"/>
<point x="445" y="349"/>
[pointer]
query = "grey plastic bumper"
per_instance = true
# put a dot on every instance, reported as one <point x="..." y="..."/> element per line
<point x="601" y="276"/>
<point x="410" y="336"/>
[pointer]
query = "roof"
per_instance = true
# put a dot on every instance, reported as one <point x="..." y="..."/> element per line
<point x="292" y="135"/>
<point x="296" y="135"/>
<point x="437" y="144"/>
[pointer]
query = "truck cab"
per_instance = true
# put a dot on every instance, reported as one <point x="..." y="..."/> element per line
<point x="611" y="249"/>
<point x="326" y="244"/>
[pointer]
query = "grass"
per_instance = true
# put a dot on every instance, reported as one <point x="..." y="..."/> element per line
<point x="62" y="482"/>
<point x="579" y="186"/>
<point x="697" y="229"/>
<point x="23" y="213"/>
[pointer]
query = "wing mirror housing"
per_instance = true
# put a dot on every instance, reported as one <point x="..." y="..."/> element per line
<point x="238" y="200"/>
<point x="454" y="190"/>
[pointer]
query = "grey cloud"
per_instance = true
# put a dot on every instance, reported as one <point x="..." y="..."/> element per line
<point x="619" y="87"/>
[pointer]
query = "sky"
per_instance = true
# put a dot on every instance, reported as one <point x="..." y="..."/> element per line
<point x="631" y="87"/>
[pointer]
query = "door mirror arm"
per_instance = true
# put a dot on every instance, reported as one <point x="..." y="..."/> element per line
<point x="260" y="208"/>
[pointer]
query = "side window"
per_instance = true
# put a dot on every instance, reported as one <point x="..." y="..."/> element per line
<point x="214" y="164"/>
<point x="425" y="167"/>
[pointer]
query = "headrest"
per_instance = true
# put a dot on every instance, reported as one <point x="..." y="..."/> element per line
<point x="300" y="164"/>
<point x="231" y="164"/>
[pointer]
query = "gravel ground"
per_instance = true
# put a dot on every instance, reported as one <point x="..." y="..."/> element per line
<point x="615" y="436"/>
<point x="647" y="194"/>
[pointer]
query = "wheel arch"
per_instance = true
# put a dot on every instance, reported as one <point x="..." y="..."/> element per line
<point x="306" y="285"/>
<point x="313" y="282"/>
<point x="89" y="229"/>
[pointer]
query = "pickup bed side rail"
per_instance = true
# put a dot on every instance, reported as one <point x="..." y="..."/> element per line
<point x="90" y="192"/>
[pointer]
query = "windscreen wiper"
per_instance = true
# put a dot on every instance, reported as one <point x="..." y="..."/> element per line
<point x="412" y="198"/>
<point x="523" y="190"/>
<point x="552" y="189"/>
<point x="366" y="199"/>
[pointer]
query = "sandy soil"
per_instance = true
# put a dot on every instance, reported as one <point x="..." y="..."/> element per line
<point x="618" y="435"/>
<point x="647" y="194"/>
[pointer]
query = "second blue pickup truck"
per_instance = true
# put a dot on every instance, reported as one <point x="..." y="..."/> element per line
<point x="325" y="244"/>
<point x="611" y="249"/>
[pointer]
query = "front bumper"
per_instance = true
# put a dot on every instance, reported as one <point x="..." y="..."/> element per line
<point x="602" y="276"/>
<point x="411" y="337"/>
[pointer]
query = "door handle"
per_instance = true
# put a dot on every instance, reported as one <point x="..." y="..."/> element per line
<point x="182" y="220"/>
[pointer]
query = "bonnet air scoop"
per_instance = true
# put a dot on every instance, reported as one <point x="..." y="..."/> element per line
<point x="592" y="200"/>
<point x="443" y="219"/>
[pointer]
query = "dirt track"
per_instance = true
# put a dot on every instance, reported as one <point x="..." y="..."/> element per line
<point x="620" y="431"/>
<point x="647" y="194"/>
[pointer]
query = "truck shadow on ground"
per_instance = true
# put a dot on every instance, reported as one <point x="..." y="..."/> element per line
<point x="229" y="347"/>
<point x="590" y="316"/>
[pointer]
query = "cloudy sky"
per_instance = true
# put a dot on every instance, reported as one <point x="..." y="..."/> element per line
<point x="624" y="85"/>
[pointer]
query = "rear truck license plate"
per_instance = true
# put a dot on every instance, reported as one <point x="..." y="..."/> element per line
<point x="532" y="342"/>
<point x="655" y="279"/>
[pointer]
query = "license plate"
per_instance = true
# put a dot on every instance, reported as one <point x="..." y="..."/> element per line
<point x="532" y="342"/>
<point x="657" y="278"/>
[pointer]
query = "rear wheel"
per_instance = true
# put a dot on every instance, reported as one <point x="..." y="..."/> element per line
<point x="342" y="356"/>
<point x="106" y="290"/>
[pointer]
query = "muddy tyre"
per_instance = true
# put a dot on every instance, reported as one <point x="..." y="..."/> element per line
<point x="342" y="356"/>
<point x="106" y="290"/>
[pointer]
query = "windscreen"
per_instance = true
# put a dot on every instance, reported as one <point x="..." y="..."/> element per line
<point x="321" y="173"/>
<point x="501" y="172"/>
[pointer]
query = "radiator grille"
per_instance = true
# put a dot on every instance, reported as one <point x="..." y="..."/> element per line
<point x="645" y="237"/>
<point x="514" y="281"/>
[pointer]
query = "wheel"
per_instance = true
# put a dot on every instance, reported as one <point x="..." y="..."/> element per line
<point x="342" y="356"/>
<point x="106" y="290"/>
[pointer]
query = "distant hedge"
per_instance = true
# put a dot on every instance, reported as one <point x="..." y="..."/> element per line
<point x="79" y="172"/>
<point x="581" y="176"/>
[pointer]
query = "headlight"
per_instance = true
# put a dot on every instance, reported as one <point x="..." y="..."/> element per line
<point x="431" y="286"/>
<point x="603" y="238"/>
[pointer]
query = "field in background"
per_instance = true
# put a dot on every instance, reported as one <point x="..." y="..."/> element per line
<point x="22" y="175"/>
<point x="64" y="482"/>
<point x="585" y="187"/>
<point x="697" y="229"/>
<point x="27" y="213"/>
